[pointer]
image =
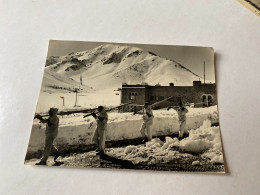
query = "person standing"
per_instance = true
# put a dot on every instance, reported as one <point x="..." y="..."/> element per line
<point x="101" y="130"/>
<point x="147" y="122"/>
<point x="181" y="111"/>
<point x="52" y="125"/>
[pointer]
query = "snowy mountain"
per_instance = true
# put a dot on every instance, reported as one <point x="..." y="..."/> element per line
<point x="54" y="82"/>
<point x="108" y="66"/>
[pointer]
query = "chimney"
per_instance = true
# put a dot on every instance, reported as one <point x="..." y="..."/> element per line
<point x="171" y="84"/>
<point x="196" y="83"/>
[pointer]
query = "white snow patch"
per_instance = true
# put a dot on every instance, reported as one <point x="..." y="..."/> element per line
<point x="75" y="131"/>
<point x="217" y="159"/>
<point x="204" y="140"/>
<point x="129" y="149"/>
<point x="154" y="143"/>
<point x="169" y="143"/>
<point x="196" y="163"/>
<point x="84" y="100"/>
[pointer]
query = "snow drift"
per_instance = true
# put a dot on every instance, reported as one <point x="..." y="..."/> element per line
<point x="205" y="141"/>
<point x="74" y="131"/>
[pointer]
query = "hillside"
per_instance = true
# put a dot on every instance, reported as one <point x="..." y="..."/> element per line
<point x="54" y="82"/>
<point x="108" y="66"/>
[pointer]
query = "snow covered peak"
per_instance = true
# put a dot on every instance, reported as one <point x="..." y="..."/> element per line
<point x="110" y="65"/>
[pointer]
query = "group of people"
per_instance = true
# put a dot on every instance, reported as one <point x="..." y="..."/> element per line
<point x="148" y="120"/>
<point x="99" y="138"/>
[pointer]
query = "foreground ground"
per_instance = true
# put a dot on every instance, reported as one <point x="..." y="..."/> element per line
<point x="201" y="151"/>
<point x="76" y="132"/>
<point x="154" y="155"/>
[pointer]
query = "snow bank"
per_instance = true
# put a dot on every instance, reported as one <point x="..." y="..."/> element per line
<point x="74" y="131"/>
<point x="169" y="143"/>
<point x="153" y="152"/>
<point x="204" y="140"/>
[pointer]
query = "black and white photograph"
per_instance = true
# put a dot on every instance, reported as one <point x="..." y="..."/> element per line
<point x="127" y="106"/>
<point x="130" y="97"/>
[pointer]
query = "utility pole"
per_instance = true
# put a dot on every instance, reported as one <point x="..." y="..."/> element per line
<point x="80" y="85"/>
<point x="76" y="101"/>
<point x="204" y="72"/>
<point x="80" y="79"/>
<point x="63" y="100"/>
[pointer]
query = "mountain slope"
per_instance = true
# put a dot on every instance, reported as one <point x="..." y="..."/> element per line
<point x="108" y="66"/>
<point x="53" y="82"/>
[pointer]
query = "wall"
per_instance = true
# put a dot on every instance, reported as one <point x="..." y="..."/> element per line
<point x="188" y="94"/>
<point x="79" y="137"/>
<point x="166" y="91"/>
<point x="140" y="98"/>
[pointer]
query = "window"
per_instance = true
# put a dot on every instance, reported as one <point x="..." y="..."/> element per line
<point x="204" y="100"/>
<point x="132" y="96"/>
<point x="209" y="100"/>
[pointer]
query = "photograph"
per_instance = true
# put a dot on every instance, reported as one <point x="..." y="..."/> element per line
<point x="253" y="5"/>
<point x="127" y="106"/>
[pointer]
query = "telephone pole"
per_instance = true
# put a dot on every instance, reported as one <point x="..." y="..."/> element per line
<point x="76" y="101"/>
<point x="204" y="72"/>
<point x="63" y="100"/>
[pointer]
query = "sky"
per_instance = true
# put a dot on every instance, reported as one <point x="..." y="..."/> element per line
<point x="189" y="56"/>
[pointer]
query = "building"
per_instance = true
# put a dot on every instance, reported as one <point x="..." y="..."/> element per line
<point x="199" y="95"/>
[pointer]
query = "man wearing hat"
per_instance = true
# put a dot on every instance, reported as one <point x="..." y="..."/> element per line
<point x="147" y="122"/>
<point x="52" y="124"/>
<point x="100" y="133"/>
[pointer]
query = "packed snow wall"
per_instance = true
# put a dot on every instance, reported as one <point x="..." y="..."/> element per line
<point x="76" y="132"/>
<point x="205" y="141"/>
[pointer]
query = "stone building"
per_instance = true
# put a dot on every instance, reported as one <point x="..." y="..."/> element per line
<point x="199" y="95"/>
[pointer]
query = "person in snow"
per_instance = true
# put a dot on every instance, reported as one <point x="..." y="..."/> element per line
<point x="181" y="111"/>
<point x="147" y="122"/>
<point x="100" y="133"/>
<point x="52" y="125"/>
